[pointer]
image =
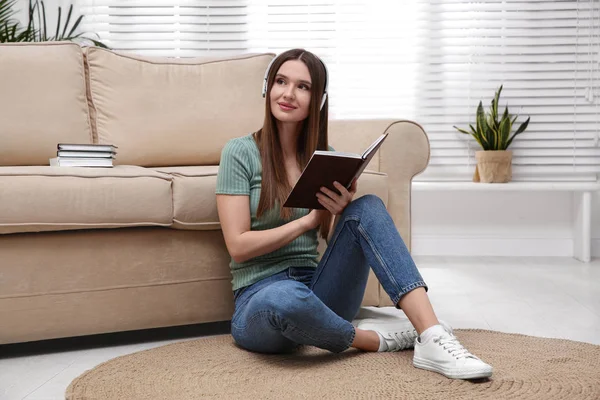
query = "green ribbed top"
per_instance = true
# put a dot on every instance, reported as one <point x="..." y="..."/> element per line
<point x="240" y="173"/>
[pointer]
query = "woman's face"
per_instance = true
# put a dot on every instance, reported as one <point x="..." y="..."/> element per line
<point x="290" y="93"/>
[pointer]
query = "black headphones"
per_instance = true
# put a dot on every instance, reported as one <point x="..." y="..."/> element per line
<point x="264" y="90"/>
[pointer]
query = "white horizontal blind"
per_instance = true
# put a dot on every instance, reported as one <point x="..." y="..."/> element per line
<point x="546" y="55"/>
<point x="176" y="28"/>
<point x="367" y="46"/>
<point x="433" y="61"/>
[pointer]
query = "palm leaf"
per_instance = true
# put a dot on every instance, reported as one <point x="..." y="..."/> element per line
<point x="7" y="12"/>
<point x="75" y="25"/>
<point x="10" y="30"/>
<point x="64" y="32"/>
<point x="58" y="22"/>
<point x="45" y="24"/>
<point x="98" y="43"/>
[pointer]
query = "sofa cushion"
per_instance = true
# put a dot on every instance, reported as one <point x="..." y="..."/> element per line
<point x="54" y="198"/>
<point x="194" y="199"/>
<point x="167" y="111"/>
<point x="42" y="101"/>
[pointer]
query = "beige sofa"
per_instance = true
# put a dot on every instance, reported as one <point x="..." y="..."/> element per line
<point x="92" y="250"/>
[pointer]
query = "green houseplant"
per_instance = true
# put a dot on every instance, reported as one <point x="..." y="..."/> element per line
<point x="38" y="29"/>
<point x="493" y="133"/>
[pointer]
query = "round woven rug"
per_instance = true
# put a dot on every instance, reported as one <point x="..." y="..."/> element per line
<point x="525" y="367"/>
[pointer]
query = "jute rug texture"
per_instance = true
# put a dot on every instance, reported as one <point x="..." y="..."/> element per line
<point x="525" y="367"/>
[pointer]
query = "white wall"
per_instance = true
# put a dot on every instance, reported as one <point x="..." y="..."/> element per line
<point x="596" y="225"/>
<point x="519" y="224"/>
<point x="22" y="6"/>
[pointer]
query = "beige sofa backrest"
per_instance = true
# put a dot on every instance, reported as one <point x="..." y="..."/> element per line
<point x="157" y="111"/>
<point x="42" y="101"/>
<point x="168" y="112"/>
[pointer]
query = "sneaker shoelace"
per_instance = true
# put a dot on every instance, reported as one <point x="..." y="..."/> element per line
<point x="403" y="339"/>
<point x="451" y="344"/>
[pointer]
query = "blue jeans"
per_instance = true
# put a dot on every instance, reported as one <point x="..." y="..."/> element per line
<point x="308" y="306"/>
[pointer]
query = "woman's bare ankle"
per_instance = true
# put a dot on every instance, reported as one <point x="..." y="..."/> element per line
<point x="366" y="340"/>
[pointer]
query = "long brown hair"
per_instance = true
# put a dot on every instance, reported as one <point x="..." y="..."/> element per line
<point x="275" y="186"/>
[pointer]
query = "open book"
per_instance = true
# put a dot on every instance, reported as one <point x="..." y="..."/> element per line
<point x="325" y="167"/>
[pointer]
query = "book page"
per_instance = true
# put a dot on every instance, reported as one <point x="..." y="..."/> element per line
<point x="373" y="147"/>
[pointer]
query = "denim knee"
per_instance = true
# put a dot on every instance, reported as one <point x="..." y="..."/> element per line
<point x="286" y="299"/>
<point x="368" y="202"/>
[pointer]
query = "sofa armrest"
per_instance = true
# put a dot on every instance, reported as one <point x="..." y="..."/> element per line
<point x="404" y="154"/>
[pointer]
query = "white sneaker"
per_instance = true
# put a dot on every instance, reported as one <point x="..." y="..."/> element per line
<point x="399" y="334"/>
<point x="444" y="354"/>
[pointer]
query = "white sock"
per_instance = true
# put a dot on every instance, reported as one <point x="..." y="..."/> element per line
<point x="430" y="332"/>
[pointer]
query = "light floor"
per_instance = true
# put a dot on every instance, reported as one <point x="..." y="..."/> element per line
<point x="551" y="297"/>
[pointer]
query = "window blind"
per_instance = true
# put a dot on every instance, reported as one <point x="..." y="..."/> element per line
<point x="430" y="61"/>
<point x="546" y="55"/>
<point x="176" y="28"/>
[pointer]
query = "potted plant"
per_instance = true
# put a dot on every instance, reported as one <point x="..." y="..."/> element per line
<point x="37" y="29"/>
<point x="494" y="162"/>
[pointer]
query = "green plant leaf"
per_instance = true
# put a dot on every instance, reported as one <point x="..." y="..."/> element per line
<point x="519" y="131"/>
<point x="482" y="128"/>
<point x="98" y="43"/>
<point x="67" y="21"/>
<point x="504" y="132"/>
<point x="494" y="108"/>
<point x="58" y="23"/>
<point x="7" y="12"/>
<point x="45" y="25"/>
<point x="475" y="135"/>
<point x="75" y="25"/>
<point x="523" y="126"/>
<point x="10" y="28"/>
<point x="479" y="124"/>
<point x="37" y="26"/>
<point x="480" y="121"/>
<point x="461" y="130"/>
<point x="7" y="32"/>
<point x="491" y="132"/>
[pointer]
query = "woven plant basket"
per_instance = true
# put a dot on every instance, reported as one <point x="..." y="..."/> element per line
<point x="493" y="166"/>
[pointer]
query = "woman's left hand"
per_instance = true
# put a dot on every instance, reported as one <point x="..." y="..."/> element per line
<point x="336" y="203"/>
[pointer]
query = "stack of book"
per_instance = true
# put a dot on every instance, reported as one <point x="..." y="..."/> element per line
<point x="84" y="155"/>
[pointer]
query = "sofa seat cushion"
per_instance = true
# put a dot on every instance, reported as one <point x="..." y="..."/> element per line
<point x="48" y="198"/>
<point x="194" y="199"/>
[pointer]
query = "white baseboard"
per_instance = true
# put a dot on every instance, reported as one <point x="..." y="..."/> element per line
<point x="439" y="245"/>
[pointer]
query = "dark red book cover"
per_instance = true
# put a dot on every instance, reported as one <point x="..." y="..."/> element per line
<point x="322" y="170"/>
